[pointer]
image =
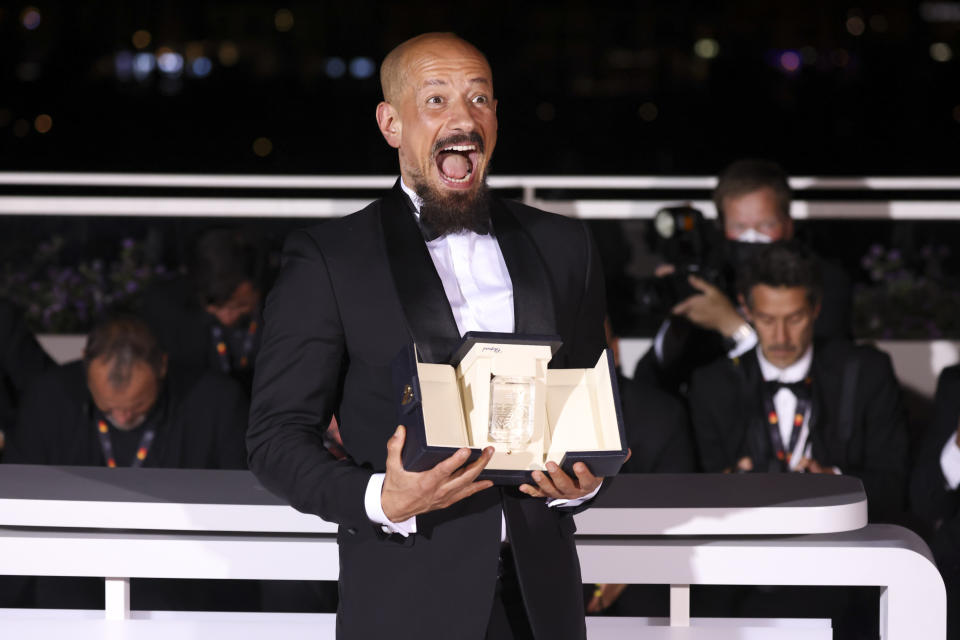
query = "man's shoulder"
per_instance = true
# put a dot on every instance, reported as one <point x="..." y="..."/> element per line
<point x="66" y="383"/>
<point x="333" y="231"/>
<point x="840" y="352"/>
<point x="202" y="386"/>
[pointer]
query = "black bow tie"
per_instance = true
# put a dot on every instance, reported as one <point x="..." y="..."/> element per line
<point x="801" y="388"/>
<point x="429" y="234"/>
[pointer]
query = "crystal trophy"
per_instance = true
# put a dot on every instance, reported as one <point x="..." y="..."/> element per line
<point x="511" y="409"/>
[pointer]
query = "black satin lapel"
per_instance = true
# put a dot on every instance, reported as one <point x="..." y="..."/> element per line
<point x="532" y="298"/>
<point x="421" y="293"/>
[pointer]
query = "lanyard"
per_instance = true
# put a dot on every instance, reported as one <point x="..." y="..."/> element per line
<point x="103" y="432"/>
<point x="773" y="423"/>
<point x="221" y="345"/>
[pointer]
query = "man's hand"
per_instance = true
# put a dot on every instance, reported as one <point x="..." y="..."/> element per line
<point x="558" y="485"/>
<point x="407" y="493"/>
<point x="812" y="466"/>
<point x="604" y="596"/>
<point x="711" y="309"/>
<point x="744" y="465"/>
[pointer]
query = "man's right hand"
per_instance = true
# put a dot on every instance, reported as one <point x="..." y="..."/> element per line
<point x="408" y="493"/>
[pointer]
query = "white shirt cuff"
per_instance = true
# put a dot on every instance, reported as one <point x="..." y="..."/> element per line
<point x="744" y="344"/>
<point x="950" y="462"/>
<point x="563" y="502"/>
<point x="371" y="502"/>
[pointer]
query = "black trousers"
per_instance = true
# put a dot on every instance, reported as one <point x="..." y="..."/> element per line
<point x="508" y="617"/>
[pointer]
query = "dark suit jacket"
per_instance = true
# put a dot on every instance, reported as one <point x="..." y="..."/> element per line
<point x="658" y="430"/>
<point x="352" y="292"/>
<point x="937" y="506"/>
<point x="870" y="442"/>
<point x="22" y="360"/>
<point x="205" y="417"/>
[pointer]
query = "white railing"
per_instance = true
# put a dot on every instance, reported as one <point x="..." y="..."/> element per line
<point x="657" y="529"/>
<point x="868" y="200"/>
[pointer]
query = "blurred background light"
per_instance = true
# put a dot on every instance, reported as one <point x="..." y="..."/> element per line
<point x="706" y="48"/>
<point x="283" y="20"/>
<point x="43" y="123"/>
<point x="143" y="65"/>
<point x="201" y="67"/>
<point x="141" y="39"/>
<point x="941" y="52"/>
<point x="228" y="54"/>
<point x="30" y="18"/>
<point x="170" y="62"/>
<point x="335" y="67"/>
<point x="856" y="26"/>
<point x="123" y="65"/>
<point x="790" y="61"/>
<point x="362" y="67"/>
<point x="648" y="112"/>
<point x="262" y="147"/>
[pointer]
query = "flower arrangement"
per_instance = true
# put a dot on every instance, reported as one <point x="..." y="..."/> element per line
<point x="61" y="298"/>
<point x="906" y="298"/>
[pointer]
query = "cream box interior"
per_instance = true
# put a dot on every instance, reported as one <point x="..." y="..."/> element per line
<point x="574" y="408"/>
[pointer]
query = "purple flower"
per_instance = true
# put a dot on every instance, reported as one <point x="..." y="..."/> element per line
<point x="128" y="243"/>
<point x="894" y="255"/>
<point x="131" y="286"/>
<point x="876" y="250"/>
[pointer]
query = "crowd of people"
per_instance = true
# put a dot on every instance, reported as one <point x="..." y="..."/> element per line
<point x="755" y="374"/>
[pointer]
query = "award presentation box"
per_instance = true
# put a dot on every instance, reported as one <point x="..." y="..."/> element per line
<point x="576" y="412"/>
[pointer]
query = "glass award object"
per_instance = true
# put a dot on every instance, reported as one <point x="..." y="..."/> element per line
<point x="511" y="409"/>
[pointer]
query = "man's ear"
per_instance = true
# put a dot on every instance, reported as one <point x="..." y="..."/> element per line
<point x="389" y="122"/>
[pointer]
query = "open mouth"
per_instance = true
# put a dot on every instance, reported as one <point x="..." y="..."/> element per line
<point x="456" y="162"/>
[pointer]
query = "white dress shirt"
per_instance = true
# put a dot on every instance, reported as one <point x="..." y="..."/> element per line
<point x="950" y="462"/>
<point x="478" y="287"/>
<point x="785" y="402"/>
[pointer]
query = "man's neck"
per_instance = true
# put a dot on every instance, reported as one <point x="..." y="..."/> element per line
<point x="414" y="198"/>
<point x="793" y="372"/>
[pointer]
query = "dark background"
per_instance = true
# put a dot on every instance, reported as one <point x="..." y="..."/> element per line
<point x="585" y="88"/>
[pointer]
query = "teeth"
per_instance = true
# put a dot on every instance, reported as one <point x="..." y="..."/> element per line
<point x="463" y="179"/>
<point x="461" y="147"/>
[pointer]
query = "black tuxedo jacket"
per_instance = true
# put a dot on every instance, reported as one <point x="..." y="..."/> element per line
<point x="937" y="506"/>
<point x="351" y="293"/>
<point x="866" y="437"/>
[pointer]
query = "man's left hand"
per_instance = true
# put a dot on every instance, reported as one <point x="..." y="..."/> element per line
<point x="710" y="309"/>
<point x="812" y="466"/>
<point x="557" y="485"/>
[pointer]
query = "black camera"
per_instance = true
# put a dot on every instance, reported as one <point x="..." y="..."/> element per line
<point x="683" y="238"/>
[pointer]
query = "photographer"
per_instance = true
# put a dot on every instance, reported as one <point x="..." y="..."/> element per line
<point x="752" y="198"/>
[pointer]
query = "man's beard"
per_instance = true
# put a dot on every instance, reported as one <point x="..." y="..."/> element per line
<point x="444" y="212"/>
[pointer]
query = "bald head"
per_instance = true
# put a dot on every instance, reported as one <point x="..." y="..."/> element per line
<point x="393" y="70"/>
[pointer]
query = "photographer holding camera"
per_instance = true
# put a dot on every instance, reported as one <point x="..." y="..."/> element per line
<point x="752" y="198"/>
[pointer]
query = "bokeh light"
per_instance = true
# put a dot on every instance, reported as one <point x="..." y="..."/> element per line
<point x="141" y="39"/>
<point x="648" y="112"/>
<point x="790" y="61"/>
<point x="283" y="20"/>
<point x="169" y="62"/>
<point x="856" y="26"/>
<point x="30" y="18"/>
<point x="201" y="67"/>
<point x="362" y="67"/>
<point x="43" y="123"/>
<point x="228" y="54"/>
<point x="335" y="67"/>
<point x="706" y="48"/>
<point x="262" y="147"/>
<point x="941" y="52"/>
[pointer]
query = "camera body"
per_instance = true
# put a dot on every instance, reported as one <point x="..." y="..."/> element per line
<point x="683" y="237"/>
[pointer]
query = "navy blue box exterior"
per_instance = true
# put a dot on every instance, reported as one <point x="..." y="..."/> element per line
<point x="418" y="455"/>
